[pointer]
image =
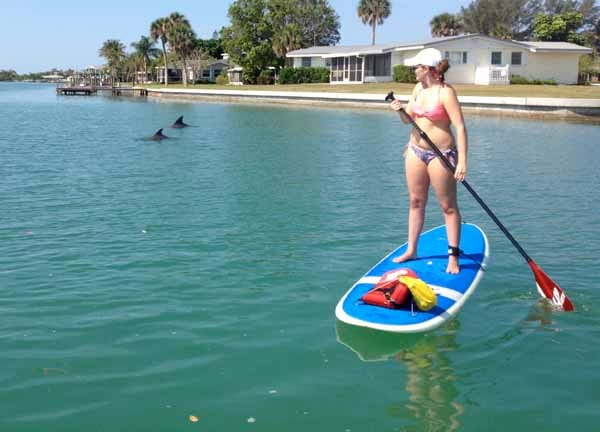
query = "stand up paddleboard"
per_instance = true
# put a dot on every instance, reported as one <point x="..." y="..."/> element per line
<point x="430" y="265"/>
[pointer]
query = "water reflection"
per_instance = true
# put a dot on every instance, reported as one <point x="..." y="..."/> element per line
<point x="431" y="382"/>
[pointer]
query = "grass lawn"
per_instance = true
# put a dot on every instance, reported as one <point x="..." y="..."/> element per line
<point x="550" y="91"/>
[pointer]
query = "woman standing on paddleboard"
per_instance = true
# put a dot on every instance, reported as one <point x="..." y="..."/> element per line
<point x="434" y="107"/>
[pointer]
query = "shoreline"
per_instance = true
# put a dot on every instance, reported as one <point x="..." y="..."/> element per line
<point x="533" y="107"/>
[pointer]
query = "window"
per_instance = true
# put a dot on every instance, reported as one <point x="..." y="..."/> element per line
<point x="456" y="57"/>
<point x="337" y="69"/>
<point x="378" y="65"/>
<point x="306" y="62"/>
<point x="516" y="58"/>
<point x="496" y="57"/>
<point x="346" y="69"/>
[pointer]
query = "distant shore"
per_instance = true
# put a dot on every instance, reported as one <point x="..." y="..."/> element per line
<point x="534" y="107"/>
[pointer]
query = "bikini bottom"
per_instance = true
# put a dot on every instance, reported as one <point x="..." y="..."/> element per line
<point x="428" y="155"/>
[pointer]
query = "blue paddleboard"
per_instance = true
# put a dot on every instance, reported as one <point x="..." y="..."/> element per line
<point x="430" y="265"/>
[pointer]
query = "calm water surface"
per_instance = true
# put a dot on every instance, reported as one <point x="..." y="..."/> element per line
<point x="143" y="282"/>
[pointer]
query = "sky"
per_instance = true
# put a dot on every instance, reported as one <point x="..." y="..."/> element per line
<point x="38" y="35"/>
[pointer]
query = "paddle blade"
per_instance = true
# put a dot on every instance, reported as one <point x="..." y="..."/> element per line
<point x="550" y="289"/>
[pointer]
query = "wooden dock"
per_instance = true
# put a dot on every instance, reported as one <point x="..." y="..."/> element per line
<point x="92" y="90"/>
<point x="76" y="91"/>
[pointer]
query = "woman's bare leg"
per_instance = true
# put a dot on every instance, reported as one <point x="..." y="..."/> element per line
<point x="417" y="181"/>
<point x="444" y="185"/>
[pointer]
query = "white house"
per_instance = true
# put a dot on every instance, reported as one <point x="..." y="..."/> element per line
<point x="209" y="72"/>
<point x="474" y="59"/>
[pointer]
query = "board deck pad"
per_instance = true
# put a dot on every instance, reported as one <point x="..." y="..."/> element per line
<point x="430" y="265"/>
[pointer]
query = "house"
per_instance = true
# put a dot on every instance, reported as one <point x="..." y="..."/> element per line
<point x="235" y="75"/>
<point x="53" y="78"/>
<point x="208" y="72"/>
<point x="174" y="74"/>
<point x="91" y="76"/>
<point x="213" y="70"/>
<point x="142" y="77"/>
<point x="474" y="59"/>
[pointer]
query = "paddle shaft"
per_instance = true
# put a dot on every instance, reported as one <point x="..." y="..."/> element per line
<point x="452" y="168"/>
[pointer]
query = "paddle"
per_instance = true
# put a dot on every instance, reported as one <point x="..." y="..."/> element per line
<point x="545" y="285"/>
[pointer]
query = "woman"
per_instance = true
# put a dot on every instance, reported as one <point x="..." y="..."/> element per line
<point x="434" y="107"/>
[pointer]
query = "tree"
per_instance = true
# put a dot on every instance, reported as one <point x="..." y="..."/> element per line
<point x="145" y="49"/>
<point x="197" y="60"/>
<point x="113" y="51"/>
<point x="182" y="40"/>
<point x="320" y="23"/>
<point x="588" y="8"/>
<point x="130" y="65"/>
<point x="285" y="17"/>
<point x="159" y="30"/>
<point x="523" y="25"/>
<point x="591" y="14"/>
<point x="248" y="40"/>
<point x="8" y="75"/>
<point x="287" y="39"/>
<point x="509" y="19"/>
<point x="558" y="28"/>
<point x="301" y="24"/>
<point x="490" y="17"/>
<point x="446" y="24"/>
<point x="212" y="47"/>
<point x="374" y="12"/>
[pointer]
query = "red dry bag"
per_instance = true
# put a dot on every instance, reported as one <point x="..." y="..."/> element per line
<point x="389" y="292"/>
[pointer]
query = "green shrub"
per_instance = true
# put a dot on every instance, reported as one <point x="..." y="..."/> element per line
<point x="517" y="79"/>
<point x="223" y="79"/>
<point x="404" y="74"/>
<point x="265" y="77"/>
<point x="303" y="75"/>
<point x="286" y="75"/>
<point x="250" y="75"/>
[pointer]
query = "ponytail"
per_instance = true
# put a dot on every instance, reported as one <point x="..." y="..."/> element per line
<point x="441" y="69"/>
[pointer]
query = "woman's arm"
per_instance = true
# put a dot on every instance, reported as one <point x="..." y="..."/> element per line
<point x="396" y="105"/>
<point x="452" y="106"/>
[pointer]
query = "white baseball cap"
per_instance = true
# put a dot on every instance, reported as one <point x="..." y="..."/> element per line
<point x="427" y="57"/>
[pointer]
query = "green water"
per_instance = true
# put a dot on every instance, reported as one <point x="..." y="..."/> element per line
<point x="143" y="282"/>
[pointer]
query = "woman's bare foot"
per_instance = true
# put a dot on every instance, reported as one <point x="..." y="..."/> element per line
<point x="453" y="267"/>
<point x="406" y="256"/>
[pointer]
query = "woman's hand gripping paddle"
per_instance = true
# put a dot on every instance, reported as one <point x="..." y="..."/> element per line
<point x="545" y="285"/>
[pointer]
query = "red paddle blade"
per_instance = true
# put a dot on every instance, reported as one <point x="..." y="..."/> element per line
<point x="550" y="289"/>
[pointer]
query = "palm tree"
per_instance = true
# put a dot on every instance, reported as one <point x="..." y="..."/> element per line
<point x="182" y="40"/>
<point x="177" y="18"/>
<point x="130" y="66"/>
<point x="114" y="53"/>
<point x="288" y="39"/>
<point x="374" y="12"/>
<point x="159" y="30"/>
<point x="144" y="48"/>
<point x="446" y="24"/>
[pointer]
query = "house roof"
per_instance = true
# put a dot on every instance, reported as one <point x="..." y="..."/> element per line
<point x="351" y="50"/>
<point x="219" y="62"/>
<point x="556" y="46"/>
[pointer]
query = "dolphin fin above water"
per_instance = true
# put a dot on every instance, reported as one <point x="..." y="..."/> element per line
<point x="158" y="136"/>
<point x="179" y="123"/>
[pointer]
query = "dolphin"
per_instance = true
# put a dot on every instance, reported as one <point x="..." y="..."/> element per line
<point x="158" y="136"/>
<point x="179" y="123"/>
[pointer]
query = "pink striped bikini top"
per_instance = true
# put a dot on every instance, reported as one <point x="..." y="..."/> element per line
<point x="436" y="113"/>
